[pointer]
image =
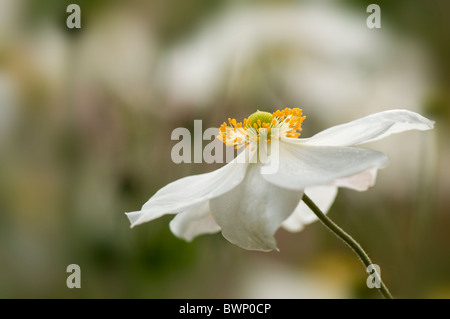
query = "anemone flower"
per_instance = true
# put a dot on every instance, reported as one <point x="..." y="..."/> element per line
<point x="248" y="206"/>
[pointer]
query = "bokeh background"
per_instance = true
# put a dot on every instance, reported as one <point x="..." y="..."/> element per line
<point x="85" y="123"/>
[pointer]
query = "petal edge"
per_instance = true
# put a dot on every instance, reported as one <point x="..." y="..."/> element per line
<point x="368" y="129"/>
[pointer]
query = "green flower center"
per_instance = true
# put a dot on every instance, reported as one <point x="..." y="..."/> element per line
<point x="288" y="123"/>
<point x="261" y="116"/>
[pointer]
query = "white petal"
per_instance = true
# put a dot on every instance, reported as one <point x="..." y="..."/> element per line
<point x="251" y="213"/>
<point x="359" y="182"/>
<point x="368" y="129"/>
<point x="322" y="196"/>
<point x="190" y="191"/>
<point x="303" y="166"/>
<point x="193" y="222"/>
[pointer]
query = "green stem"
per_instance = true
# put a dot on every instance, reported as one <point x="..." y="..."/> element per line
<point x="349" y="241"/>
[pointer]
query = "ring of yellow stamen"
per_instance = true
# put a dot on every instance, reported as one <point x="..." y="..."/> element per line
<point x="294" y="119"/>
<point x="287" y="121"/>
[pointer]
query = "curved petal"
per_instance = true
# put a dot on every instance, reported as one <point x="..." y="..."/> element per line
<point x="251" y="213"/>
<point x="359" y="182"/>
<point x="190" y="191"/>
<point x="194" y="222"/>
<point x="367" y="129"/>
<point x="322" y="196"/>
<point x="303" y="166"/>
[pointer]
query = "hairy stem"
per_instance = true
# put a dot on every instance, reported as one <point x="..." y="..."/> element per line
<point x="354" y="245"/>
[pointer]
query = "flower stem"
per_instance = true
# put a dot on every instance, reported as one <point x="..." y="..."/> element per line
<point x="354" y="245"/>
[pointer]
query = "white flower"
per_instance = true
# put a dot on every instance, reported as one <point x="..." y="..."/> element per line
<point x="247" y="206"/>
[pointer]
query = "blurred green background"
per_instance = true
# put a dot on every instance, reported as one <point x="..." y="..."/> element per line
<point x="85" y="123"/>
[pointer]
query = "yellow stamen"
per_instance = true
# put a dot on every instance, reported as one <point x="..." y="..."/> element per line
<point x="260" y="123"/>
